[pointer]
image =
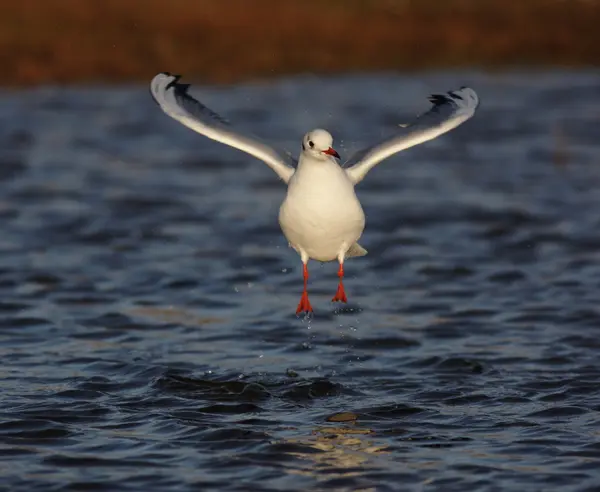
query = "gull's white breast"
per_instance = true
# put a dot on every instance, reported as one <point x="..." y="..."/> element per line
<point x="321" y="215"/>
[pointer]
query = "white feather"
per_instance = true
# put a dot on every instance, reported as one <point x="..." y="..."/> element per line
<point x="175" y="101"/>
<point x="448" y="111"/>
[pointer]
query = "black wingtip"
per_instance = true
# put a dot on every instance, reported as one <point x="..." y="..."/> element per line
<point x="174" y="82"/>
<point x="449" y="97"/>
<point x="438" y="99"/>
<point x="184" y="99"/>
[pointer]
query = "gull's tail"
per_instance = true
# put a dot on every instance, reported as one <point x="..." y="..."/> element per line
<point x="356" y="250"/>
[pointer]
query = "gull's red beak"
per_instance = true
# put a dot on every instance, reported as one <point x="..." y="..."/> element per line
<point x="332" y="152"/>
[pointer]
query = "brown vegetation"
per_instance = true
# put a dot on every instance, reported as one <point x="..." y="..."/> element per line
<point x="72" y="41"/>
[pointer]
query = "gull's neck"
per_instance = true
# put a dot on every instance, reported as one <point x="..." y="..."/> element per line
<point x="307" y="160"/>
<point x="325" y="171"/>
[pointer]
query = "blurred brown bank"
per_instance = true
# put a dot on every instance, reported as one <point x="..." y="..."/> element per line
<point x="105" y="41"/>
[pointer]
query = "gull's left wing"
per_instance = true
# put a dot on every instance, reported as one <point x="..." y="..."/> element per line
<point x="174" y="100"/>
<point x="449" y="110"/>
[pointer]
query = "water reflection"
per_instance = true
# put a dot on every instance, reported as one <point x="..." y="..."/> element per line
<point x="346" y="451"/>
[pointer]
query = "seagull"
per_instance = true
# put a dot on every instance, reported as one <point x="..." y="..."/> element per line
<point x="320" y="216"/>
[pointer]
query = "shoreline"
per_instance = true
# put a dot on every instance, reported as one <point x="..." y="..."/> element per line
<point x="68" y="42"/>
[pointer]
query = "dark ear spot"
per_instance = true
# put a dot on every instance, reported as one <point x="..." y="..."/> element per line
<point x="303" y="147"/>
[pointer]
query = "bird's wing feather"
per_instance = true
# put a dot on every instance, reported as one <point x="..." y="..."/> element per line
<point x="174" y="100"/>
<point x="448" y="111"/>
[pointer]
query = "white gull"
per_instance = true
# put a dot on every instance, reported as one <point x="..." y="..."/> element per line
<point x="321" y="216"/>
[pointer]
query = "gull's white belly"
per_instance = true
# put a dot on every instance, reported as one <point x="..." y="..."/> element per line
<point x="322" y="221"/>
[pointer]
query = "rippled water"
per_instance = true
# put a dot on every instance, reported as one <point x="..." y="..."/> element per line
<point x="147" y="331"/>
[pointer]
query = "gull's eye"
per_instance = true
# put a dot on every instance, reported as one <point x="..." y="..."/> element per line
<point x="310" y="142"/>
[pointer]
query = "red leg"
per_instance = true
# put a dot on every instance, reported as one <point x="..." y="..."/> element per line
<point x="304" y="305"/>
<point x="340" y="295"/>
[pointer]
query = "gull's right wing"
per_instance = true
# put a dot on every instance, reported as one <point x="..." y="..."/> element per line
<point x="174" y="100"/>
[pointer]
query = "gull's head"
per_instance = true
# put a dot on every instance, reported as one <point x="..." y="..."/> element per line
<point x="318" y="145"/>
